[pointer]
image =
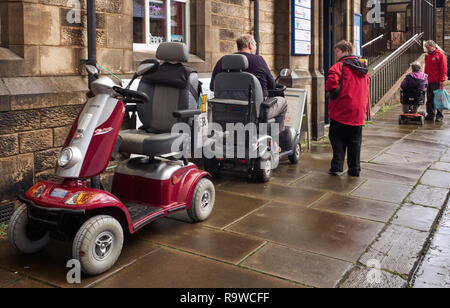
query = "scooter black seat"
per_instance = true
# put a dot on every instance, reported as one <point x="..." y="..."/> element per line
<point x="142" y="143"/>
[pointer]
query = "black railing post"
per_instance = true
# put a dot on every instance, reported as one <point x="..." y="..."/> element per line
<point x="91" y="35"/>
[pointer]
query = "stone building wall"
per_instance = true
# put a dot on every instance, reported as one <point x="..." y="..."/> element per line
<point x="443" y="27"/>
<point x="43" y="84"/>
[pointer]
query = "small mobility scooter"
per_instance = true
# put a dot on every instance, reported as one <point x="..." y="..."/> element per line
<point x="147" y="187"/>
<point x="238" y="100"/>
<point x="412" y="99"/>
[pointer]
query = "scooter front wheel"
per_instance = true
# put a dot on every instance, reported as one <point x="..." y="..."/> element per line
<point x="23" y="236"/>
<point x="98" y="244"/>
<point x="203" y="201"/>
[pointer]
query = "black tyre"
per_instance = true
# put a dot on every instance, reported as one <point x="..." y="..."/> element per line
<point x="202" y="201"/>
<point x="98" y="244"/>
<point x="263" y="174"/>
<point x="27" y="239"/>
<point x="295" y="157"/>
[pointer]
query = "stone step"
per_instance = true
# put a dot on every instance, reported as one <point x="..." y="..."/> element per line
<point x="10" y="63"/>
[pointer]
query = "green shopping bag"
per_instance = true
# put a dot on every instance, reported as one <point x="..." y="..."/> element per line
<point x="441" y="100"/>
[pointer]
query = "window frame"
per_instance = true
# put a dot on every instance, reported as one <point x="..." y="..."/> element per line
<point x="147" y="46"/>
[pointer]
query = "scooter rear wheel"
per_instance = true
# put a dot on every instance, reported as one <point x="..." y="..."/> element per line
<point x="98" y="244"/>
<point x="24" y="237"/>
<point x="203" y="201"/>
<point x="295" y="157"/>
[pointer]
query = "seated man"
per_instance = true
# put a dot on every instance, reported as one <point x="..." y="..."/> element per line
<point x="257" y="66"/>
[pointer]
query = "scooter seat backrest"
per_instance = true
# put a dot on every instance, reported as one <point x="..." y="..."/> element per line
<point x="171" y="87"/>
<point x="233" y="83"/>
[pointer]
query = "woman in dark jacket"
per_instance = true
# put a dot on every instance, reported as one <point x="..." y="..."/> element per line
<point x="415" y="81"/>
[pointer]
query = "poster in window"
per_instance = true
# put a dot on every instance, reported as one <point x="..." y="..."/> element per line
<point x="301" y="27"/>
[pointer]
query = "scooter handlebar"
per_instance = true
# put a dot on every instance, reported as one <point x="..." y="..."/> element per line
<point x="132" y="96"/>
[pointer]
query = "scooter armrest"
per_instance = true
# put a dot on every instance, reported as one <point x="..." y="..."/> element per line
<point x="269" y="102"/>
<point x="184" y="114"/>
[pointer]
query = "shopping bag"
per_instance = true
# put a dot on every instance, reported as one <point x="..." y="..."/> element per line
<point x="442" y="100"/>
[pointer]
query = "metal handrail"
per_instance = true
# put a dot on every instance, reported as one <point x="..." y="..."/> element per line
<point x="399" y="50"/>
<point x="385" y="75"/>
<point x="372" y="41"/>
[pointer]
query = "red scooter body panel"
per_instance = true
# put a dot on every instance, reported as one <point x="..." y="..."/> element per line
<point x="101" y="199"/>
<point x="104" y="138"/>
<point x="160" y="193"/>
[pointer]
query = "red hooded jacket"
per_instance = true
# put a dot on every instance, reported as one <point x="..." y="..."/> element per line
<point x="436" y="67"/>
<point x="350" y="108"/>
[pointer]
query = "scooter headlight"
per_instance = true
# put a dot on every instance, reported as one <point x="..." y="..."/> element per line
<point x="65" y="157"/>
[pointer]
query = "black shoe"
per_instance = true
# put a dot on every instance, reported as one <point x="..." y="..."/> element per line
<point x="429" y="118"/>
<point x="335" y="172"/>
<point x="439" y="119"/>
<point x="354" y="174"/>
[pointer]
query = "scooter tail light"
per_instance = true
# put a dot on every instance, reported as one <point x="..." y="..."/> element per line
<point x="37" y="190"/>
<point x="80" y="198"/>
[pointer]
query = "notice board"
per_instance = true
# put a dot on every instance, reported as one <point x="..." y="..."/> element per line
<point x="301" y="27"/>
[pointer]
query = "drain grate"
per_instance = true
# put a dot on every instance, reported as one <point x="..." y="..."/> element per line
<point x="6" y="212"/>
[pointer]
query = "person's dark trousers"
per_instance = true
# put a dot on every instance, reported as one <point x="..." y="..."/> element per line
<point x="346" y="138"/>
<point x="431" y="110"/>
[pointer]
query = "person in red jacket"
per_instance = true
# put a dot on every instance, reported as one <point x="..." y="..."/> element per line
<point x="436" y="68"/>
<point x="348" y="85"/>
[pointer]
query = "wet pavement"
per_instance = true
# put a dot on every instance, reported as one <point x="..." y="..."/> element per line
<point x="303" y="229"/>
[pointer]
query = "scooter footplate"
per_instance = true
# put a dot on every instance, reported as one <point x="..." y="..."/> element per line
<point x="139" y="211"/>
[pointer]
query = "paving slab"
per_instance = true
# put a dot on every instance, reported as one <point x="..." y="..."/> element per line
<point x="227" y="209"/>
<point x="167" y="268"/>
<point x="363" y="208"/>
<point x="324" y="181"/>
<point x="436" y="178"/>
<point x="416" y="217"/>
<point x="396" y="159"/>
<point x="412" y="147"/>
<point x="300" y="266"/>
<point x="430" y="276"/>
<point x="27" y="283"/>
<point x="429" y="196"/>
<point x="364" y="277"/>
<point x="7" y="277"/>
<point x="49" y="266"/>
<point x="329" y="234"/>
<point x="204" y="241"/>
<point x="383" y="191"/>
<point x="397" y="249"/>
<point x="287" y="173"/>
<point x="436" y="136"/>
<point x="400" y="174"/>
<point x="379" y="141"/>
<point x="274" y="192"/>
<point x="442" y="166"/>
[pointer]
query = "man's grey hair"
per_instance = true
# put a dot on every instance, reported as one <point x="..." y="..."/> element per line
<point x="244" y="40"/>
<point x="416" y="66"/>
<point x="430" y="43"/>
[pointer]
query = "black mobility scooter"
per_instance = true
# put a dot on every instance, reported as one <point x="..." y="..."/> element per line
<point x="243" y="137"/>
<point x="412" y="99"/>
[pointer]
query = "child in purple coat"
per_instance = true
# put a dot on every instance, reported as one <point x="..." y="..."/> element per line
<point x="414" y="85"/>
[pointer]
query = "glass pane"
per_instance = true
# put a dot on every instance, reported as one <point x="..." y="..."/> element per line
<point x="139" y="21"/>
<point x="157" y="17"/>
<point x="178" y="21"/>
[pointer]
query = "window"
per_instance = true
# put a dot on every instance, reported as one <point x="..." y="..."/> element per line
<point x="157" y="21"/>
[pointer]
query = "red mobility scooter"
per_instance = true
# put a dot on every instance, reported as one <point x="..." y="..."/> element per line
<point x="152" y="184"/>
